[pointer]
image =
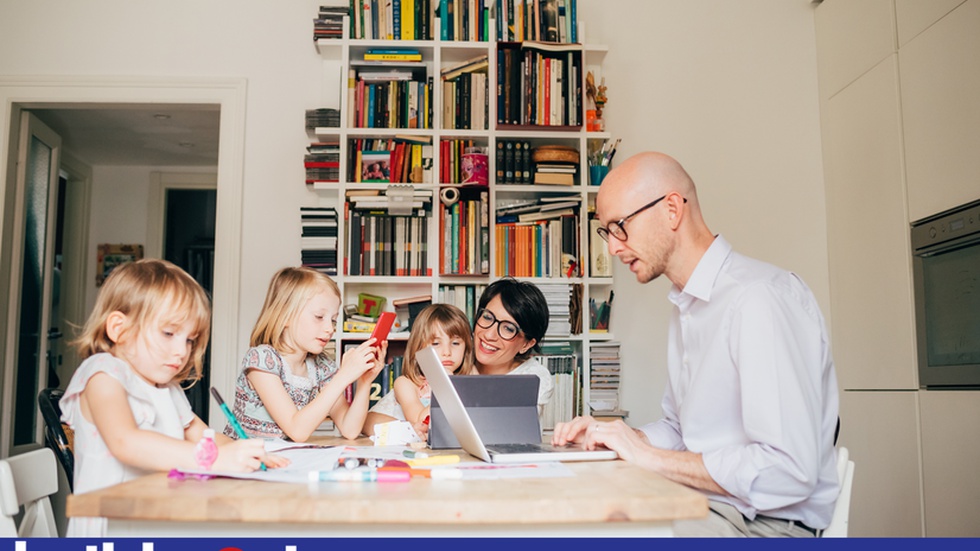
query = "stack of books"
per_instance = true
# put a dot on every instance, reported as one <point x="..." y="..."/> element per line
<point x="322" y="118"/>
<point x="466" y="103"/>
<point x="562" y="174"/>
<point x="318" y="242"/>
<point x="604" y="377"/>
<point x="559" y="298"/>
<point x="329" y="22"/>
<point x="322" y="162"/>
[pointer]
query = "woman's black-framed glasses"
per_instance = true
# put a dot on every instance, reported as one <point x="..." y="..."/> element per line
<point x="618" y="228"/>
<point x="507" y="330"/>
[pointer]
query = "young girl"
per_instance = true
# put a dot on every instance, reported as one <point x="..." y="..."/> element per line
<point x="445" y="327"/>
<point x="147" y="334"/>
<point x="287" y="385"/>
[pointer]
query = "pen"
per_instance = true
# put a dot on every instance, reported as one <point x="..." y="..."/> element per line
<point x="231" y="420"/>
<point x="412" y="454"/>
<point x="433" y="460"/>
<point x="360" y="476"/>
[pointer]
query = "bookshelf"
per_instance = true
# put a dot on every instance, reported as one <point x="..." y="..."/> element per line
<point x="457" y="235"/>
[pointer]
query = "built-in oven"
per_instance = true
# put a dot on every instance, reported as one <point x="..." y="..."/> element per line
<point x="946" y="277"/>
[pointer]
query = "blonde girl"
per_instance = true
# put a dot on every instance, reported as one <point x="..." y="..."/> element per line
<point x="147" y="335"/>
<point x="288" y="386"/>
<point x="445" y="327"/>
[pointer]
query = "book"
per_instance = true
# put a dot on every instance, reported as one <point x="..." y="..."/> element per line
<point x="557" y="178"/>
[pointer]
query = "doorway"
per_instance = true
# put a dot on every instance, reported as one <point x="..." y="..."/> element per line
<point x="22" y="95"/>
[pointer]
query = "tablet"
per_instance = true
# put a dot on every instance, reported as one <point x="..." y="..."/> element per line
<point x="383" y="326"/>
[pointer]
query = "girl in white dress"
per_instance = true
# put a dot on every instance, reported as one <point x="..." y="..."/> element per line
<point x="445" y="327"/>
<point x="147" y="334"/>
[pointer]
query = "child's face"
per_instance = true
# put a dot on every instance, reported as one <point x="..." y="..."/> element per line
<point x="314" y="326"/>
<point x="451" y="350"/>
<point x="158" y="352"/>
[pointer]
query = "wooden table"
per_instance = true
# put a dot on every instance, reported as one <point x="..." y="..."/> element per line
<point x="604" y="498"/>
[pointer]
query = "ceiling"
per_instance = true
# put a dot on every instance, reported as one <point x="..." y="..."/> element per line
<point x="137" y="135"/>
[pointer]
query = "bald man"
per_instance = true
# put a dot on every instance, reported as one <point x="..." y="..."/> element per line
<point x="751" y="403"/>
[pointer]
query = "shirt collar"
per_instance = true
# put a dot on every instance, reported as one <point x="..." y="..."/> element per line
<point x="703" y="277"/>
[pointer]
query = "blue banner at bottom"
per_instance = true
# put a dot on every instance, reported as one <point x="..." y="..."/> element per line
<point x="429" y="544"/>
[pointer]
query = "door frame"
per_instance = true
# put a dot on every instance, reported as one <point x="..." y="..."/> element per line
<point x="20" y="93"/>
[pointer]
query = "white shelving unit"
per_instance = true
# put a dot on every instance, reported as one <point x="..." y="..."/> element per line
<point x="437" y="54"/>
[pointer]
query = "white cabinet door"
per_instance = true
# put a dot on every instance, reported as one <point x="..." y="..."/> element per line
<point x="870" y="262"/>
<point x="950" y="458"/>
<point x="879" y="431"/>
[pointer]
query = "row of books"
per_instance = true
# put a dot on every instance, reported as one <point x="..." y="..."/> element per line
<point x="322" y="162"/>
<point x="389" y="99"/>
<point x="464" y="297"/>
<point x="545" y="20"/>
<point x="464" y="244"/>
<point x="466" y="102"/>
<point x="385" y="381"/>
<point x="380" y="244"/>
<point x="329" y="22"/>
<point x="391" y="19"/>
<point x="402" y="159"/>
<point x="604" y="376"/>
<point x="538" y="86"/>
<point x="514" y="162"/>
<point x="545" y="207"/>
<point x="565" y="373"/>
<point x="465" y="20"/>
<point x="318" y="240"/>
<point x="546" y="248"/>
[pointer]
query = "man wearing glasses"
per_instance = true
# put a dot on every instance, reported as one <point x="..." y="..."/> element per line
<point x="751" y="403"/>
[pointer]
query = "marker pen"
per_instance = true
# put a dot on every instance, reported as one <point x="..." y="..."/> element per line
<point x="360" y="476"/>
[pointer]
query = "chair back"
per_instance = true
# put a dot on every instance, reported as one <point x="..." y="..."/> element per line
<point x="842" y="509"/>
<point x="57" y="435"/>
<point x="28" y="479"/>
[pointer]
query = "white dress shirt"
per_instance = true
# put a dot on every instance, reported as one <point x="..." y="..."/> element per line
<point x="752" y="387"/>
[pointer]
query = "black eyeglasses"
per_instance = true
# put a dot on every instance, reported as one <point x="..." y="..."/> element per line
<point x="618" y="228"/>
<point x="507" y="330"/>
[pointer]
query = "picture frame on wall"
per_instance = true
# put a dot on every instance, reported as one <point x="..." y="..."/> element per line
<point x="112" y="255"/>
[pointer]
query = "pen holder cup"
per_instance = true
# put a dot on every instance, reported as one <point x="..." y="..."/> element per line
<point x="597" y="173"/>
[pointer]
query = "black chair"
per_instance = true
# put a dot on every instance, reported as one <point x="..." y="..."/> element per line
<point x="57" y="435"/>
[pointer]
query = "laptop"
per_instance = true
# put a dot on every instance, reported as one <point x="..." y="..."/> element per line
<point x="503" y="408"/>
<point x="469" y="439"/>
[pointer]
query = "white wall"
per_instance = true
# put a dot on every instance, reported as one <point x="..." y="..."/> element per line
<point x="730" y="90"/>
<point x="112" y="188"/>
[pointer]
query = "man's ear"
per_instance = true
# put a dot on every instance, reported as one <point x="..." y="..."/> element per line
<point x="115" y="325"/>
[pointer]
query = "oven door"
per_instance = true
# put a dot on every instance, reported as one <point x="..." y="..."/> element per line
<point x="947" y="311"/>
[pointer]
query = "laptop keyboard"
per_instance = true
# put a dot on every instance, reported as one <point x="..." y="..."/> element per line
<point x="519" y="448"/>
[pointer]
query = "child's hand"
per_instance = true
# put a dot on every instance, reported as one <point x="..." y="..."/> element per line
<point x="357" y="362"/>
<point x="423" y="430"/>
<point x="245" y="456"/>
<point x="379" y="363"/>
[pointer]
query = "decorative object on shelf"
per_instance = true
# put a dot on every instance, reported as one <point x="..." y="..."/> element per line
<point x="475" y="166"/>
<point x="370" y="305"/>
<point x="598" y="97"/>
<point x="109" y="256"/>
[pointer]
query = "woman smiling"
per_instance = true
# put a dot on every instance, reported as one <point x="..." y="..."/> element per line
<point x="511" y="320"/>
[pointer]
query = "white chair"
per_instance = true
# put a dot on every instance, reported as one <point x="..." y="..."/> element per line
<point x="28" y="479"/>
<point x="845" y="473"/>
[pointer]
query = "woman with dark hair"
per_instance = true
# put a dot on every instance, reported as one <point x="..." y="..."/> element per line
<point x="510" y="322"/>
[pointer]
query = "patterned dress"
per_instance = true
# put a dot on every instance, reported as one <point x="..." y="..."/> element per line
<point x="250" y="410"/>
